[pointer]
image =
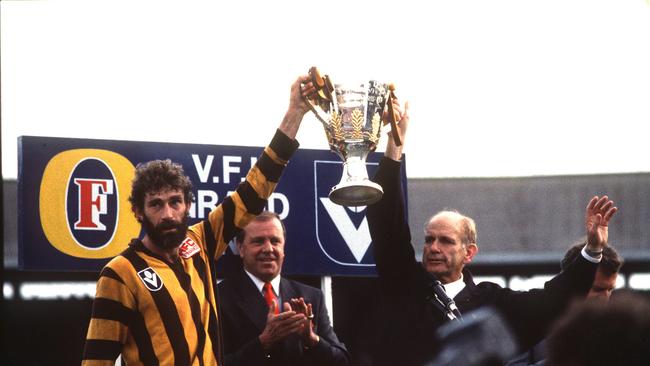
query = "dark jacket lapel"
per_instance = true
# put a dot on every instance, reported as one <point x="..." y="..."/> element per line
<point x="250" y="300"/>
<point x="291" y="346"/>
<point x="287" y="291"/>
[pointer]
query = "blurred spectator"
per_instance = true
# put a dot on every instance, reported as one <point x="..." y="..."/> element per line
<point x="601" y="289"/>
<point x="600" y="333"/>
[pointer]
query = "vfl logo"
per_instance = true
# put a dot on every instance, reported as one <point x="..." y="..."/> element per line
<point x="151" y="279"/>
<point x="83" y="203"/>
<point x="342" y="232"/>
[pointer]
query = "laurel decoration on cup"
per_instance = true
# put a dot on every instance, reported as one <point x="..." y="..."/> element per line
<point x="374" y="134"/>
<point x="357" y="124"/>
<point x="337" y="126"/>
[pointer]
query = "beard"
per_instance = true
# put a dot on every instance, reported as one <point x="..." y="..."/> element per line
<point x="166" y="240"/>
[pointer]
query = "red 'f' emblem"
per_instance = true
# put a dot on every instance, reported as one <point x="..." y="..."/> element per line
<point x="92" y="202"/>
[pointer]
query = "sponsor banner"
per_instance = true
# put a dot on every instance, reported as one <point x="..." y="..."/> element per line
<point x="74" y="213"/>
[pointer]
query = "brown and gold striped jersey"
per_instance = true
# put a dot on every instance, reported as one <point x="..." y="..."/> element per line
<point x="156" y="313"/>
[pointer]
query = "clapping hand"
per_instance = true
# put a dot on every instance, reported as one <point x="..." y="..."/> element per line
<point x="282" y="325"/>
<point x="309" y="338"/>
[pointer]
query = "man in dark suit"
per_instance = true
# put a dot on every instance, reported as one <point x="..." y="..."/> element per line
<point x="409" y="312"/>
<point x="255" y="331"/>
<point x="601" y="290"/>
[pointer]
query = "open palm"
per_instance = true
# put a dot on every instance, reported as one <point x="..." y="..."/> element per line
<point x="598" y="213"/>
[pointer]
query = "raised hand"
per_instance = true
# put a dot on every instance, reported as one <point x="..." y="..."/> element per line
<point x="309" y="338"/>
<point x="280" y="326"/>
<point x="392" y="150"/>
<point x="300" y="89"/>
<point x="597" y="215"/>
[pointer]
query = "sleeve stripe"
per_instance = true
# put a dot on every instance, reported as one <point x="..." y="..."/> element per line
<point x="283" y="145"/>
<point x="208" y="234"/>
<point x="254" y="204"/>
<point x="99" y="349"/>
<point x="110" y="273"/>
<point x="260" y="184"/>
<point x="271" y="154"/>
<point x="269" y="168"/>
<point x="111" y="310"/>
<point x="229" y="228"/>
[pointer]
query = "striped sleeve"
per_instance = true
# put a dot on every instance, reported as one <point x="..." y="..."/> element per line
<point x="111" y="315"/>
<point x="238" y="209"/>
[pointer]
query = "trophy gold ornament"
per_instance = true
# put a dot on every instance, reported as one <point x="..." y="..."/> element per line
<point x="352" y="116"/>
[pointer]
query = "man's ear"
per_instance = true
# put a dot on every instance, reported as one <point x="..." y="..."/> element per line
<point x="239" y="246"/>
<point x="137" y="213"/>
<point x="470" y="251"/>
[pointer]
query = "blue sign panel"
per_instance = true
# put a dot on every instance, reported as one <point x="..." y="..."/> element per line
<point x="74" y="213"/>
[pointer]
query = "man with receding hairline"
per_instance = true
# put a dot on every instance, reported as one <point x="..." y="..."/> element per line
<point x="409" y="318"/>
<point x="261" y="309"/>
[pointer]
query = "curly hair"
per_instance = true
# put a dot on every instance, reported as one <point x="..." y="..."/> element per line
<point x="155" y="176"/>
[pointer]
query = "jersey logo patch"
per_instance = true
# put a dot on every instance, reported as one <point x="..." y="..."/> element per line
<point x="188" y="248"/>
<point x="151" y="279"/>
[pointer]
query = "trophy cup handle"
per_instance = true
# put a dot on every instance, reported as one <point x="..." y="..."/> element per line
<point x="392" y="117"/>
<point x="321" y="102"/>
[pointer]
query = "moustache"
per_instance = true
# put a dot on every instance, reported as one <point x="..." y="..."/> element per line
<point x="166" y="225"/>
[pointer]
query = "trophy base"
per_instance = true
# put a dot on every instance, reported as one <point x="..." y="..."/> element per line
<point x="355" y="194"/>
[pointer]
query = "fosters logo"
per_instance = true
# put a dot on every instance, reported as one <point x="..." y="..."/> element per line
<point x="83" y="203"/>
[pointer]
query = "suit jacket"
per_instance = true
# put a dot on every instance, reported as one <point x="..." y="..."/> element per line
<point x="535" y="356"/>
<point x="407" y="336"/>
<point x="243" y="313"/>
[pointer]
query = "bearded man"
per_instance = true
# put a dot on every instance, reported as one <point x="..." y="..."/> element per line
<point x="155" y="302"/>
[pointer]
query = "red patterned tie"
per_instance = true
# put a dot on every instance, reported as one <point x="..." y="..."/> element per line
<point x="269" y="296"/>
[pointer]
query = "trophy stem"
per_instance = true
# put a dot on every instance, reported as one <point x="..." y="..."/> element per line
<point x="355" y="189"/>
